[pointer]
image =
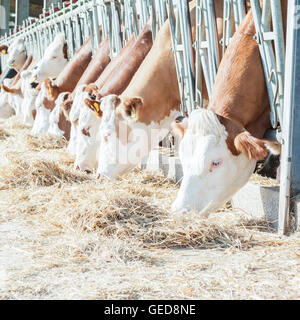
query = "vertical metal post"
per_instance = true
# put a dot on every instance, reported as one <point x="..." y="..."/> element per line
<point x="22" y="12"/>
<point x="97" y="39"/>
<point x="47" y="3"/>
<point x="181" y="34"/>
<point x="273" y="68"/>
<point x="290" y="158"/>
<point x="4" y="16"/>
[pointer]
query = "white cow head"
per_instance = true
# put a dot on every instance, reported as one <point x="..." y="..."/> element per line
<point x="127" y="134"/>
<point x="17" y="54"/>
<point x="73" y="109"/>
<point x="6" y="110"/>
<point x="87" y="144"/>
<point x="41" y="122"/>
<point x="30" y="94"/>
<point x="216" y="164"/>
<point x="54" y="129"/>
<point x="54" y="59"/>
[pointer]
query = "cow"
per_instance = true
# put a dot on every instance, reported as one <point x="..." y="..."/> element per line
<point x="220" y="145"/>
<point x="54" y="59"/>
<point x="134" y="122"/>
<point x="143" y="113"/>
<point x="65" y="82"/>
<point x="24" y="94"/>
<point x="6" y="110"/>
<point x="14" y="91"/>
<point x="17" y="54"/>
<point x="64" y="104"/>
<point x="113" y="80"/>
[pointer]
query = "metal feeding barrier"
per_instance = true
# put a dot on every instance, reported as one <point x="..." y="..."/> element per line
<point x="198" y="60"/>
<point x="272" y="51"/>
<point x="82" y="19"/>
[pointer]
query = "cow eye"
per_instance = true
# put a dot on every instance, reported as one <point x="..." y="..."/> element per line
<point x="216" y="164"/>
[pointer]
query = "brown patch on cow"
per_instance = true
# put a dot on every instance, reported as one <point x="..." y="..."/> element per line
<point x="98" y="64"/>
<point x="85" y="132"/>
<point x="64" y="125"/>
<point x="33" y="114"/>
<point x="66" y="108"/>
<point x="11" y="90"/>
<point x="65" y="51"/>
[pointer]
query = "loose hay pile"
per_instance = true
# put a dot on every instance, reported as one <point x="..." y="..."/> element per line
<point x="115" y="239"/>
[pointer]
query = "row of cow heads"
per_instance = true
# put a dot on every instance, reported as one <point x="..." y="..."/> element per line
<point x="112" y="136"/>
<point x="54" y="59"/>
<point x="213" y="150"/>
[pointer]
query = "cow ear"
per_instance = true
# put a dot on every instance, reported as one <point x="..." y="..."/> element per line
<point x="50" y="87"/>
<point x="94" y="106"/>
<point x="91" y="89"/>
<point x="131" y="106"/>
<point x="66" y="107"/>
<point x="179" y="127"/>
<point x="253" y="148"/>
<point x="9" y="90"/>
<point x="3" y="49"/>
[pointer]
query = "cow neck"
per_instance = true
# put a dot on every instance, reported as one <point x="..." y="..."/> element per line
<point x="126" y="67"/>
<point x="71" y="74"/>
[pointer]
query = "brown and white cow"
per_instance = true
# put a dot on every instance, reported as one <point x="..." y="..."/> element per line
<point x="134" y="123"/>
<point x="70" y="107"/>
<point x="13" y="94"/>
<point x="24" y="93"/>
<point x="221" y="145"/>
<point x="113" y="80"/>
<point x="65" y="82"/>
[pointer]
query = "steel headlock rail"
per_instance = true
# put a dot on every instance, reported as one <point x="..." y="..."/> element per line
<point x="207" y="50"/>
<point x="273" y="60"/>
<point x="181" y="34"/>
<point x="233" y="15"/>
<point x="78" y="20"/>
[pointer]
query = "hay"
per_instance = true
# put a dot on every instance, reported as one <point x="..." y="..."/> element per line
<point x="66" y="235"/>
<point x="3" y="134"/>
<point x="264" y="181"/>
<point x="36" y="172"/>
<point x="45" y="142"/>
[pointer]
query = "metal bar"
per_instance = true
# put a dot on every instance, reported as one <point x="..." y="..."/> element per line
<point x="273" y="64"/>
<point x="290" y="164"/>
